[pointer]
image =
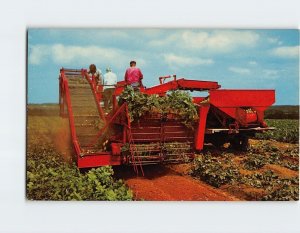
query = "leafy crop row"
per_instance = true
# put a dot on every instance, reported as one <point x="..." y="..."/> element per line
<point x="51" y="178"/>
<point x="265" y="153"/>
<point x="285" y="131"/>
<point x="213" y="171"/>
<point x="227" y="169"/>
<point x="278" y="189"/>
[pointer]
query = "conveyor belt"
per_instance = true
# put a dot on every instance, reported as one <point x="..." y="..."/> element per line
<point x="85" y="112"/>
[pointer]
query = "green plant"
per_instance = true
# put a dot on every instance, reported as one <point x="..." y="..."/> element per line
<point x="178" y="103"/>
<point x="214" y="172"/>
<point x="51" y="178"/>
<point x="255" y="161"/>
<point x="288" y="164"/>
<point x="277" y="189"/>
<point x="285" y="131"/>
<point x="181" y="104"/>
<point x="293" y="152"/>
<point x="264" y="180"/>
<point x="219" y="169"/>
<point x="265" y="153"/>
<point x="287" y="191"/>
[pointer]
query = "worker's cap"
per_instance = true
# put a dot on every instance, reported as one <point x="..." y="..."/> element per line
<point x="132" y="62"/>
<point x="108" y="69"/>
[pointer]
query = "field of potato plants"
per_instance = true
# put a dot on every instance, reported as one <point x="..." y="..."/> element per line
<point x="49" y="177"/>
<point x="286" y="130"/>
<point x="269" y="170"/>
<point x="50" y="173"/>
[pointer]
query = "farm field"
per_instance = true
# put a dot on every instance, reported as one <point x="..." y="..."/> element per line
<point x="51" y="175"/>
<point x="268" y="171"/>
<point x="287" y="130"/>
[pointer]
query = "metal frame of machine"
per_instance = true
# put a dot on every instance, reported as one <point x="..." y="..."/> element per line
<point x="224" y="116"/>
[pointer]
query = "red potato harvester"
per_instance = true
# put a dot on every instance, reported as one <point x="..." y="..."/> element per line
<point x="99" y="139"/>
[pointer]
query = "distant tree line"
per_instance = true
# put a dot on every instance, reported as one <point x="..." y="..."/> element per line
<point x="43" y="109"/>
<point x="282" y="112"/>
<point x="274" y="112"/>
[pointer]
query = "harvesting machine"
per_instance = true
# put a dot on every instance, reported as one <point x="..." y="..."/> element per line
<point x="100" y="138"/>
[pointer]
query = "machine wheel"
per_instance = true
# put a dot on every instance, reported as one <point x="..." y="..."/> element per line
<point x="240" y="142"/>
<point x="219" y="140"/>
<point x="244" y="143"/>
<point x="217" y="143"/>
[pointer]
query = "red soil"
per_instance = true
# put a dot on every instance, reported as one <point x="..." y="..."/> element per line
<point x="163" y="184"/>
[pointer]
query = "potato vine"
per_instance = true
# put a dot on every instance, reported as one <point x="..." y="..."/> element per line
<point x="51" y="178"/>
<point x="177" y="103"/>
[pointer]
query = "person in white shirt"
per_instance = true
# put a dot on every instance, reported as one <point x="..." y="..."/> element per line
<point x="109" y="84"/>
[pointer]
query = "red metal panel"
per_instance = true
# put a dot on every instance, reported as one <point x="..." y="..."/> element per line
<point x="116" y="148"/>
<point x="199" y="139"/>
<point x="71" y="118"/>
<point x="229" y="111"/>
<point x="197" y="85"/>
<point x="162" y="88"/>
<point x="182" y="84"/>
<point x="246" y="117"/>
<point x="197" y="100"/>
<point x="234" y="113"/>
<point x="98" y="160"/>
<point x="242" y="98"/>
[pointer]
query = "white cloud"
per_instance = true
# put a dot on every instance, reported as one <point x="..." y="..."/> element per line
<point x="74" y="55"/>
<point x="252" y="63"/>
<point x="175" y="60"/>
<point x="215" y="41"/>
<point x="274" y="40"/>
<point x="68" y="54"/>
<point x="239" y="70"/>
<point x="166" y="41"/>
<point x="286" y="51"/>
<point x="269" y="73"/>
<point x="37" y="54"/>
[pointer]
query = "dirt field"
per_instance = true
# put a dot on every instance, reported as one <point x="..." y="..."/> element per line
<point x="169" y="182"/>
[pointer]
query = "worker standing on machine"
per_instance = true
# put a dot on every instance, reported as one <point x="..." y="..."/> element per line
<point x="134" y="76"/>
<point x="109" y="84"/>
<point x="95" y="76"/>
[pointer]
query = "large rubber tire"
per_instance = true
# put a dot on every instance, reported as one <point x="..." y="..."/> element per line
<point x="218" y="144"/>
<point x="219" y="140"/>
<point x="240" y="142"/>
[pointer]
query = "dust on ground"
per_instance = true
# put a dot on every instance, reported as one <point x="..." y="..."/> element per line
<point x="48" y="128"/>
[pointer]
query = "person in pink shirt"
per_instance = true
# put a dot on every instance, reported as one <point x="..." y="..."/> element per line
<point x="133" y="76"/>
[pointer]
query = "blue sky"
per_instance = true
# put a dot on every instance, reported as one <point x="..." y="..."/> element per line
<point x="237" y="59"/>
